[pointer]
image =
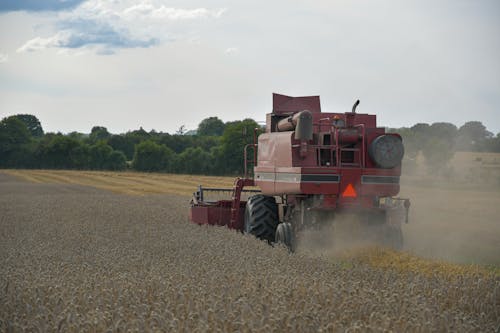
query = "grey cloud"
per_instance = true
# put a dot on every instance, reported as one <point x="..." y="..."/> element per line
<point x="111" y="25"/>
<point x="90" y="32"/>
<point x="38" y="5"/>
<point x="80" y="33"/>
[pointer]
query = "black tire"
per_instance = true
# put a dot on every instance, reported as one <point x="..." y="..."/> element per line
<point x="261" y="217"/>
<point x="285" y="236"/>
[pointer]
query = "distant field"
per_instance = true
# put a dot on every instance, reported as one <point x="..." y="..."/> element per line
<point x="458" y="225"/>
<point x="134" y="183"/>
<point x="470" y="169"/>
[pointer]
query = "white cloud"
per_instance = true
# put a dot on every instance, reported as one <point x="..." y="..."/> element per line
<point x="112" y="25"/>
<point x="146" y="10"/>
<point x="130" y="12"/>
<point x="40" y="43"/>
<point x="232" y="51"/>
<point x="4" y="58"/>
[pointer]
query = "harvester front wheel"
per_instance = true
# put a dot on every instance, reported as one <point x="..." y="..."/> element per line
<point x="261" y="217"/>
<point x="285" y="236"/>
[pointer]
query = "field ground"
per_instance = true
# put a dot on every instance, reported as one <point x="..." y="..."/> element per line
<point x="79" y="259"/>
<point x="466" y="169"/>
<point x="455" y="224"/>
<point x="134" y="183"/>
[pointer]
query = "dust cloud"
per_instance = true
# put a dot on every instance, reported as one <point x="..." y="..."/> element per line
<point x="451" y="219"/>
<point x="455" y="215"/>
<point x="339" y="235"/>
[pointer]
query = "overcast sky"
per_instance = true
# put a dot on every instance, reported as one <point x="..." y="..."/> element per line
<point x="159" y="64"/>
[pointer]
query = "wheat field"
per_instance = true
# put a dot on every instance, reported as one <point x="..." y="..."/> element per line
<point x="82" y="259"/>
<point x="133" y="183"/>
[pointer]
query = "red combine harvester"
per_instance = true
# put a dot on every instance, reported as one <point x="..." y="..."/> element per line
<point x="311" y="166"/>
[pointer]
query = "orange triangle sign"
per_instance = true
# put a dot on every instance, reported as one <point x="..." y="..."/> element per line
<point x="349" y="192"/>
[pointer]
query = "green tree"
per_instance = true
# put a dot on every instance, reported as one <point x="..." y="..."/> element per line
<point x="150" y="156"/>
<point x="103" y="157"/>
<point x="57" y="151"/>
<point x="141" y="133"/>
<point x="217" y="164"/>
<point x="236" y="135"/>
<point x="211" y="126"/>
<point x="32" y="123"/>
<point x="98" y="155"/>
<point x="444" y="131"/>
<point x="420" y="134"/>
<point x="13" y="133"/>
<point x="15" y="140"/>
<point x="472" y="135"/>
<point x="116" y="161"/>
<point x="124" y="143"/>
<point x="78" y="136"/>
<point x="98" y="133"/>
<point x="438" y="145"/>
<point x="80" y="156"/>
<point x="178" y="143"/>
<point x="193" y="161"/>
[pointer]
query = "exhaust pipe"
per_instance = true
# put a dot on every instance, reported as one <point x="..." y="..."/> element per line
<point x="355" y="106"/>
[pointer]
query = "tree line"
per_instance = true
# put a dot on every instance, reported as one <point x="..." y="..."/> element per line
<point x="215" y="149"/>
<point x="439" y="141"/>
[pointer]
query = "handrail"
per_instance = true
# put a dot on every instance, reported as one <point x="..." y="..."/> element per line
<point x="363" y="137"/>
<point x="319" y="123"/>
<point x="337" y="148"/>
<point x="245" y="157"/>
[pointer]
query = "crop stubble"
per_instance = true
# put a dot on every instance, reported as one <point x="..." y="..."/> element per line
<point x="77" y="259"/>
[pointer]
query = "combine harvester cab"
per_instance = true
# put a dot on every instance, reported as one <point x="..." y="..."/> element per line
<point x="310" y="167"/>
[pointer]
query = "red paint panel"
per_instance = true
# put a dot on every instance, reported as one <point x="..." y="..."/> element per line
<point x="267" y="187"/>
<point x="287" y="188"/>
<point x="216" y="214"/>
<point x="381" y="190"/>
<point x="275" y="149"/>
<point x="283" y="104"/>
<point x="319" y="188"/>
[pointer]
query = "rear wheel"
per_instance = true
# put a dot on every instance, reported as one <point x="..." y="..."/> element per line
<point x="261" y="217"/>
<point x="284" y="235"/>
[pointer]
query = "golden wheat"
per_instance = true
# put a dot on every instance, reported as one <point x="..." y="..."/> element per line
<point x="75" y="259"/>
